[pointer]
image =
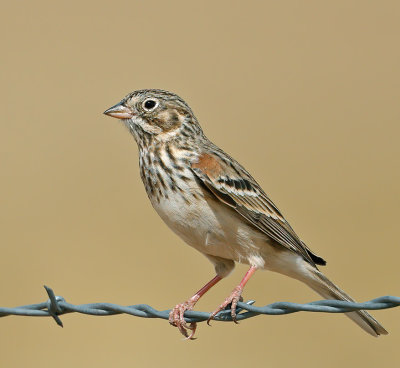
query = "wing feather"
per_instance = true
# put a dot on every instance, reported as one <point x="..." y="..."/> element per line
<point x="243" y="194"/>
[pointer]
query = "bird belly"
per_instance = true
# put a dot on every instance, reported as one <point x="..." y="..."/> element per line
<point x="213" y="228"/>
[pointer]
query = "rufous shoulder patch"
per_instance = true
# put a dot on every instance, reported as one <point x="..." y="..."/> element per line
<point x="209" y="165"/>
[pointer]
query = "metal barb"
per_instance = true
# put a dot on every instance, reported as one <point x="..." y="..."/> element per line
<point x="53" y="307"/>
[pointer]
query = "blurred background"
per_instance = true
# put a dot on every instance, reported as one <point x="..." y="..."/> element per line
<point x="304" y="94"/>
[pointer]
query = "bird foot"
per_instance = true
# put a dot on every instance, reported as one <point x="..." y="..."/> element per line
<point x="232" y="299"/>
<point x="177" y="318"/>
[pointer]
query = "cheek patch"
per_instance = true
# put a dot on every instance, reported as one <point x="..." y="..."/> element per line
<point x="168" y="120"/>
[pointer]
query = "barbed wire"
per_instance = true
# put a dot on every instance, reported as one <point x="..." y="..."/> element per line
<point x="57" y="305"/>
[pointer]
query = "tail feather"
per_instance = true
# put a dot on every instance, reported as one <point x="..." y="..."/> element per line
<point x="328" y="290"/>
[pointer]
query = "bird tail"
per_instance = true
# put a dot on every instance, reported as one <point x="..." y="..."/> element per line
<point x="328" y="290"/>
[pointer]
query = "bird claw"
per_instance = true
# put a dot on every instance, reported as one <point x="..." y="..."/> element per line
<point x="231" y="300"/>
<point x="177" y="319"/>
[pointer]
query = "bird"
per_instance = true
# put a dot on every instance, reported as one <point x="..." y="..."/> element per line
<point x="212" y="202"/>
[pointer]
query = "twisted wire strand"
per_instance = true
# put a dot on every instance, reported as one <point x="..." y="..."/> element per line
<point x="57" y="305"/>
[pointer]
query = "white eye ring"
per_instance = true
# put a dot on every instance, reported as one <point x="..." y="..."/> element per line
<point x="150" y="104"/>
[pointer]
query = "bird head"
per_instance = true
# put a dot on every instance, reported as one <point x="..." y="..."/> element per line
<point x="155" y="113"/>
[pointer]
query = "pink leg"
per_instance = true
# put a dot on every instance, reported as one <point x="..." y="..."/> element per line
<point x="176" y="316"/>
<point x="234" y="297"/>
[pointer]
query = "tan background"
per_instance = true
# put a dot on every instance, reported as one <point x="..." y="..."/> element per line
<point x="304" y="94"/>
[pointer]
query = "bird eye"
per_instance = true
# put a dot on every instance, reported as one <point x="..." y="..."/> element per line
<point x="150" y="104"/>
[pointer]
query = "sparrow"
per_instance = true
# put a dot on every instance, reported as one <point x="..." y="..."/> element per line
<point x="210" y="201"/>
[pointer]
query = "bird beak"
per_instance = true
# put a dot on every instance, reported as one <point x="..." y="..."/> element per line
<point x="119" y="111"/>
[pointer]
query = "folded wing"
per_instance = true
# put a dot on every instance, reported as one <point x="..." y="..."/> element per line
<point x="234" y="186"/>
